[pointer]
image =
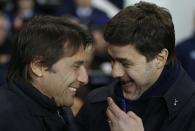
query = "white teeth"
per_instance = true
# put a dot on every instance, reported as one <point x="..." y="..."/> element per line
<point x="73" y="89"/>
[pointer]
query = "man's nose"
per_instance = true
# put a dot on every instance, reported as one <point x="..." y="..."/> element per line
<point x="117" y="70"/>
<point x="83" y="76"/>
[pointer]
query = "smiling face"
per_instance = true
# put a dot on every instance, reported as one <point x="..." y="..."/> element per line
<point x="133" y="70"/>
<point x="64" y="78"/>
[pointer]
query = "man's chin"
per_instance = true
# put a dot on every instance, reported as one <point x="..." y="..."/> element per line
<point x="131" y="95"/>
<point x="69" y="104"/>
<point x="129" y="88"/>
<point x="66" y="104"/>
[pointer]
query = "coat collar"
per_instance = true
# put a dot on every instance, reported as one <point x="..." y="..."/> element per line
<point x="180" y="92"/>
<point x="37" y="103"/>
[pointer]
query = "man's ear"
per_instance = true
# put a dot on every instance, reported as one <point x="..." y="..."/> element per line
<point x="37" y="68"/>
<point x="161" y="58"/>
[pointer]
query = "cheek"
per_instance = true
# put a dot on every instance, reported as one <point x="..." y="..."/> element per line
<point x="66" y="77"/>
<point x="134" y="73"/>
<point x="138" y="75"/>
<point x="150" y="71"/>
<point x="58" y="83"/>
<point x="66" y="80"/>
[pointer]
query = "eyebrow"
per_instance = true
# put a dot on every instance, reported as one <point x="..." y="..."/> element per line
<point x="124" y="61"/>
<point x="79" y="62"/>
<point x="121" y="60"/>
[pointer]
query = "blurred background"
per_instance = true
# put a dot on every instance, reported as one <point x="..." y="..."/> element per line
<point x="93" y="15"/>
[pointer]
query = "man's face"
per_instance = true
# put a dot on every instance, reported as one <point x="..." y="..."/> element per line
<point x="65" y="77"/>
<point x="132" y="69"/>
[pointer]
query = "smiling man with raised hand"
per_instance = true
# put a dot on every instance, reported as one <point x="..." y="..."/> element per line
<point x="152" y="91"/>
<point x="47" y="67"/>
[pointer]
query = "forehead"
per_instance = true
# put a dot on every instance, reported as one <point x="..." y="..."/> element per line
<point x="121" y="50"/>
<point x="126" y="52"/>
<point x="79" y="57"/>
<point x="80" y="54"/>
<point x="69" y="61"/>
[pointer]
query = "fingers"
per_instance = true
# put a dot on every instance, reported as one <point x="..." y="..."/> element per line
<point x="133" y="116"/>
<point x="118" y="120"/>
<point x="110" y="114"/>
<point x="138" y="120"/>
<point x="116" y="111"/>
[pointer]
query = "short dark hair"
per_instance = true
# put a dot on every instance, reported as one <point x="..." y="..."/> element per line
<point x="46" y="38"/>
<point x="146" y="26"/>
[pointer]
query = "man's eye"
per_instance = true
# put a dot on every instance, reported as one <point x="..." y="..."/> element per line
<point x="125" y="64"/>
<point x="76" y="67"/>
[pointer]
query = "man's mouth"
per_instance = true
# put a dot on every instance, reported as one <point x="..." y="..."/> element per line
<point x="127" y="83"/>
<point x="73" y="89"/>
<point x="128" y="86"/>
